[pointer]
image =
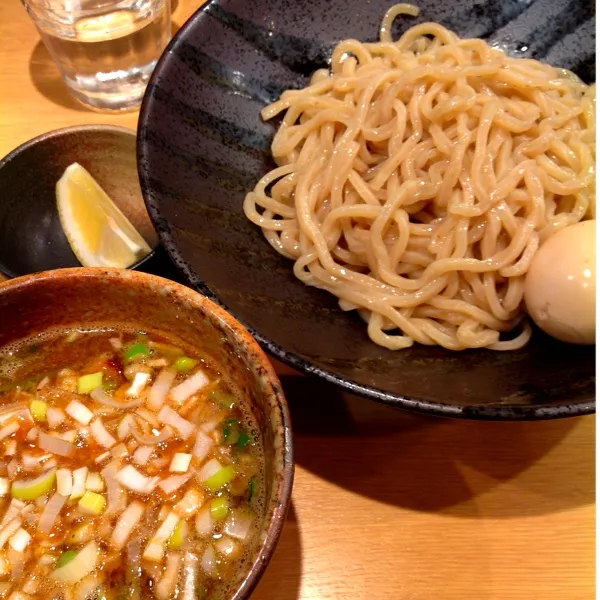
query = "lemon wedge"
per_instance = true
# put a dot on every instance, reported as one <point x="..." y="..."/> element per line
<point x="100" y="235"/>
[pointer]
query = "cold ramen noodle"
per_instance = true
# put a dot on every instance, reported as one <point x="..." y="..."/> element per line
<point x="132" y="473"/>
<point x="417" y="179"/>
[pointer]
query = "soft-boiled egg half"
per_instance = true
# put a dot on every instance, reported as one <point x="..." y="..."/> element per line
<point x="560" y="287"/>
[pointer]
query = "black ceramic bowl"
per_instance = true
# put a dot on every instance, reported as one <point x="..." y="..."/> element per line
<point x="202" y="146"/>
<point x="31" y="236"/>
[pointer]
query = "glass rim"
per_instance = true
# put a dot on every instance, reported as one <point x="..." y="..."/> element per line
<point x="42" y="6"/>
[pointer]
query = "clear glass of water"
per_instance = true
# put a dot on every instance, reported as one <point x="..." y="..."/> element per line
<point x="106" y="50"/>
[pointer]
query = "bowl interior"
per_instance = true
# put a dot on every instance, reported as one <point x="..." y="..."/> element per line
<point x="31" y="236"/>
<point x="202" y="146"/>
<point x="94" y="298"/>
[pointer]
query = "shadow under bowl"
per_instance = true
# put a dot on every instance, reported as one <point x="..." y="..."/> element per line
<point x="111" y="298"/>
<point x="31" y="235"/>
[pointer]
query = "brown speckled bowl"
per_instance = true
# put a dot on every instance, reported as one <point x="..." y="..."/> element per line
<point x="31" y="236"/>
<point x="101" y="297"/>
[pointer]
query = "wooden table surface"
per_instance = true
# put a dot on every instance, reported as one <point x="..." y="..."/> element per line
<point x="386" y="505"/>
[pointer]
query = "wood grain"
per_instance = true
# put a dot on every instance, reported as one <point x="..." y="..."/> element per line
<point x="386" y="505"/>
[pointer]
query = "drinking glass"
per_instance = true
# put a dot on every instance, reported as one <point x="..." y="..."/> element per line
<point x="105" y="50"/>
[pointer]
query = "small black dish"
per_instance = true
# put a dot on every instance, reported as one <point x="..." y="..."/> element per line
<point x="31" y="236"/>
<point x="202" y="146"/>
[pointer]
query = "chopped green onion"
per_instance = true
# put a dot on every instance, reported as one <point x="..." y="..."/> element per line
<point x="220" y="478"/>
<point x="244" y="439"/>
<point x="184" y="364"/>
<point x="110" y="384"/>
<point x="38" y="409"/>
<point x="178" y="536"/>
<point x="223" y="398"/>
<point x="137" y="350"/>
<point x="31" y="489"/>
<point x="87" y="383"/>
<point x="234" y="434"/>
<point x="251" y="489"/>
<point x="219" y="508"/>
<point x="92" y="503"/>
<point x="66" y="558"/>
<point x="81" y="534"/>
<point x="230" y="431"/>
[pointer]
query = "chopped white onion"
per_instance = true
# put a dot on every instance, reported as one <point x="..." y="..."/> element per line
<point x="204" y="521"/>
<point x="10" y="447"/>
<point x="55" y="445"/>
<point x="160" y="388"/>
<point x="116" y="495"/>
<point x="102" y="457"/>
<point x="87" y="586"/>
<point x="51" y="512"/>
<point x="209" y="562"/>
<point x="101" y="434"/>
<point x="228" y="547"/>
<point x="119" y="451"/>
<point x="209" y="469"/>
<point x="69" y="436"/>
<point x="9" y="429"/>
<point x="50" y="463"/>
<point x="32" y="434"/>
<point x="84" y="562"/>
<point x="166" y="586"/>
<point x="43" y="383"/>
<point x="116" y="343"/>
<point x="10" y="412"/>
<point x="142" y="455"/>
<point x="191" y="564"/>
<point x="81" y="413"/>
<point x="238" y="524"/>
<point x="203" y="445"/>
<point x="79" y="479"/>
<point x="180" y="462"/>
<point x="169" y="485"/>
<point x="41" y="501"/>
<point x="156" y="548"/>
<point x="64" y="482"/>
<point x="31" y="585"/>
<point x="169" y="417"/>
<point x="8" y="530"/>
<point x="155" y="363"/>
<point x="4" y="486"/>
<point x="29" y="462"/>
<point x="101" y="397"/>
<point x="14" y="508"/>
<point x="140" y="381"/>
<point x="129" y="518"/>
<point x="19" y="540"/>
<point x="190" y="504"/>
<point x="124" y="428"/>
<point x="135" y="481"/>
<point x="210" y="426"/>
<point x="148" y="416"/>
<point x="94" y="482"/>
<point x="152" y="440"/>
<point x="180" y="393"/>
<point x="54" y="416"/>
<point x="12" y="468"/>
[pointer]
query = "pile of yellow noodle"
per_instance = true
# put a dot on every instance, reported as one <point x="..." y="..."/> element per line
<point x="417" y="179"/>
